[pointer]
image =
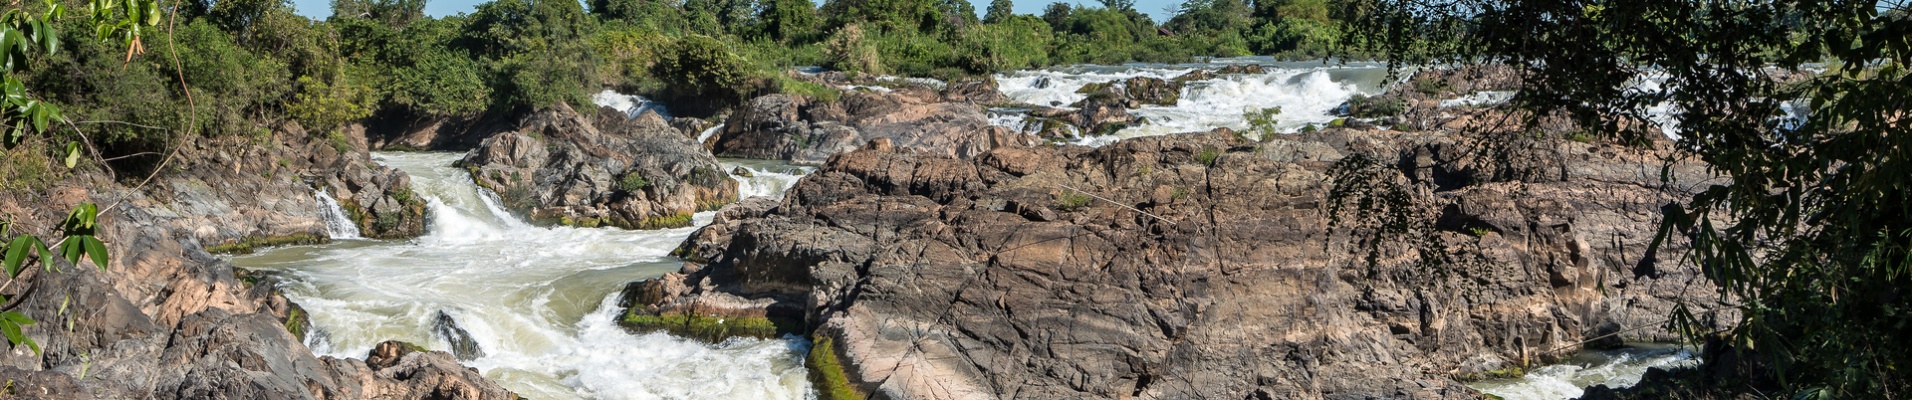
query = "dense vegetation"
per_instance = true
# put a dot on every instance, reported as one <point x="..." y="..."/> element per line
<point x="249" y="65"/>
<point x="1810" y="234"/>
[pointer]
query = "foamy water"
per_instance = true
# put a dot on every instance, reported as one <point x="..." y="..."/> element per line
<point x="1615" y="368"/>
<point x="540" y="302"/>
<point x="1307" y="93"/>
<point x="337" y="224"/>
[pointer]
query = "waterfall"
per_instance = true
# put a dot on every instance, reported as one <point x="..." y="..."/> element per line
<point x="533" y="308"/>
<point x="338" y="225"/>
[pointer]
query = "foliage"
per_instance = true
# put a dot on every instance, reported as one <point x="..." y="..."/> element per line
<point x="850" y="52"/>
<point x="702" y="68"/>
<point x="324" y="107"/>
<point x="77" y="240"/>
<point x="1262" y="122"/>
<point x="1015" y="42"/>
<point x="632" y="182"/>
<point x="999" y="11"/>
<point x="1208" y="155"/>
<point x="1808" y="237"/>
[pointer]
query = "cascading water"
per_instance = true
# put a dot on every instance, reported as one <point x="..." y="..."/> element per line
<point x="538" y="304"/>
<point x="338" y="225"/>
<point x="1615" y="368"/>
<point x="1307" y="93"/>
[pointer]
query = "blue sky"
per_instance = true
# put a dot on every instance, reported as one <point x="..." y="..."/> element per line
<point x="1156" y="9"/>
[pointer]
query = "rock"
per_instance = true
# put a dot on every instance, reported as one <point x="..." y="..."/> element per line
<point x="168" y="319"/>
<point x="981" y="90"/>
<point x="565" y="168"/>
<point x="1253" y="69"/>
<point x="1196" y="75"/>
<point x="936" y="277"/>
<point x="1137" y="91"/>
<point x="462" y="345"/>
<point x="1102" y="115"/>
<point x="796" y="129"/>
<point x="742" y="172"/>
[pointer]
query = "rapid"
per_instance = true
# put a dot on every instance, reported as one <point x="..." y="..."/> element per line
<point x="539" y="302"/>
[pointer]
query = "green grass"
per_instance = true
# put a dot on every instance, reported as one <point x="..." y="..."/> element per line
<point x="1208" y="156"/>
<point x="814" y="91"/>
<point x="827" y="374"/>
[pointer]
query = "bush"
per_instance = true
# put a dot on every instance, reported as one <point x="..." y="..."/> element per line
<point x="1208" y="155"/>
<point x="849" y="51"/>
<point x="632" y="182"/>
<point x="701" y="75"/>
<point x="1017" y="42"/>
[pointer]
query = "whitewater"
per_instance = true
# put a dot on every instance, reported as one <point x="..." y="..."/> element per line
<point x="540" y="302"/>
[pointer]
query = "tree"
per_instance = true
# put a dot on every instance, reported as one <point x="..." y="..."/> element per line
<point x="28" y="119"/>
<point x="999" y="11"/>
<point x="1057" y="15"/>
<point x="788" y="20"/>
<point x="1810" y="237"/>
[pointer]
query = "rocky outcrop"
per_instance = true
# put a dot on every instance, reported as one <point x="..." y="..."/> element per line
<point x="566" y="168"/>
<point x="981" y="90"/>
<point x="167" y="319"/>
<point x="1137" y="91"/>
<point x="1198" y="265"/>
<point x="804" y="131"/>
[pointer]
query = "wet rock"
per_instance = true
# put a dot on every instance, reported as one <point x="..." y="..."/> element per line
<point x="462" y="345"/>
<point x="1196" y="75"/>
<point x="565" y="168"/>
<point x="1218" y="279"/>
<point x="1137" y="91"/>
<point x="1251" y="69"/>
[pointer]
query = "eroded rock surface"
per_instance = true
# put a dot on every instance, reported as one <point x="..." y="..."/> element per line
<point x="564" y="167"/>
<point x="805" y="131"/>
<point x="993" y="277"/>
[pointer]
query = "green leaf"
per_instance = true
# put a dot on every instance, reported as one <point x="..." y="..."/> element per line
<point x="72" y="154"/>
<point x="71" y="250"/>
<point x="151" y="11"/>
<point x="10" y="323"/>
<point x="16" y="256"/>
<point x="95" y="250"/>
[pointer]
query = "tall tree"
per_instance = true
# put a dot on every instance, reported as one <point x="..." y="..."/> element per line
<point x="999" y="11"/>
<point x="1811" y="232"/>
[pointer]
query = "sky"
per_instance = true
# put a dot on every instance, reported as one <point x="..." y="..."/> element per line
<point x="1156" y="9"/>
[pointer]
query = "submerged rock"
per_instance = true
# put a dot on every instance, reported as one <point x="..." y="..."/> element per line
<point x="1202" y="266"/>
<point x="462" y="345"/>
<point x="565" y="168"/>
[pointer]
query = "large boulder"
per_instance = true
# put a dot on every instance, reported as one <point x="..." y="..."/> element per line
<point x="804" y="131"/>
<point x="1198" y="265"/>
<point x="567" y="168"/>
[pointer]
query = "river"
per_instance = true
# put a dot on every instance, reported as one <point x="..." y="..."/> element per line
<point x="540" y="302"/>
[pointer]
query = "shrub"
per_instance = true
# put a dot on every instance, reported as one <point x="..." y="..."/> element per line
<point x="849" y="51"/>
<point x="703" y="75"/>
<point x="632" y="182"/>
<point x="1208" y="155"/>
